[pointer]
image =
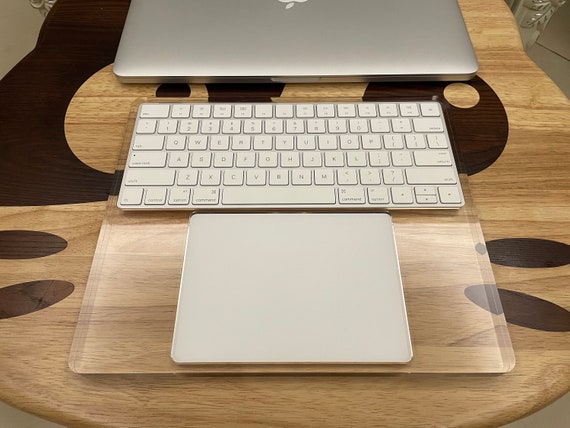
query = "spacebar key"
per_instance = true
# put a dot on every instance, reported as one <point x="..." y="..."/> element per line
<point x="278" y="196"/>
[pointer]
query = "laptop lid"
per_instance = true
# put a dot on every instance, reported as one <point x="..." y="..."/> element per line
<point x="203" y="41"/>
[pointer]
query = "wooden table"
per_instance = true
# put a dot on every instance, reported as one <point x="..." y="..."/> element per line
<point x="56" y="170"/>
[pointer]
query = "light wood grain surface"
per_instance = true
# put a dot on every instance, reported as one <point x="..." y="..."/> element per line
<point x="523" y="194"/>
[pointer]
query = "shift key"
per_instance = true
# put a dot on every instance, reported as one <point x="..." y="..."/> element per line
<point x="431" y="176"/>
<point x="149" y="177"/>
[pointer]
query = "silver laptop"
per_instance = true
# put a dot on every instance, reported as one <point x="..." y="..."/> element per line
<point x="204" y="41"/>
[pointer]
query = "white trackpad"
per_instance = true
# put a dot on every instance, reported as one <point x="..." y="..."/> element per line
<point x="291" y="288"/>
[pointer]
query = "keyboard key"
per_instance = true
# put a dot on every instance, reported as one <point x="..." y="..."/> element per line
<point x="149" y="177"/>
<point x="255" y="177"/>
<point x="175" y="142"/>
<point x="295" y="126"/>
<point x="392" y="176"/>
<point x="252" y="126"/>
<point x="167" y="126"/>
<point x="402" y="195"/>
<point x="449" y="195"/>
<point x="401" y="158"/>
<point x="233" y="177"/>
<point x="337" y="126"/>
<point x="263" y="110"/>
<point x="388" y="110"/>
<point x="324" y="177"/>
<point x="301" y="177"/>
<point x="278" y="177"/>
<point x="409" y="109"/>
<point x="351" y="196"/>
<point x="358" y="126"/>
<point x="393" y="141"/>
<point x="316" y="126"/>
<point x="431" y="176"/>
<point x="283" y="111"/>
<point x="284" y="142"/>
<point x="369" y="176"/>
<point x="305" y="110"/>
<point x="379" y="158"/>
<point x="268" y="160"/>
<point x="179" y="196"/>
<point x="347" y="176"/>
<point x="155" y="110"/>
<point x="211" y="177"/>
<point x="415" y="141"/>
<point x="325" y="110"/>
<point x="132" y="196"/>
<point x="274" y="126"/>
<point x="201" y="110"/>
<point x="302" y="195"/>
<point x="205" y="196"/>
<point x="179" y="160"/>
<point x="188" y="177"/>
<point x="189" y="126"/>
<point x="148" y="160"/>
<point x="222" y="111"/>
<point x="148" y="142"/>
<point x="180" y="110"/>
<point x="367" y="110"/>
<point x="146" y="126"/>
<point x="429" y="109"/>
<point x="402" y="125"/>
<point x="378" y="196"/>
<point x="210" y="126"/>
<point x="155" y="196"/>
<point x="371" y="142"/>
<point x="380" y="125"/>
<point x="437" y="141"/>
<point x="428" y="125"/>
<point x="229" y="127"/>
<point x="201" y="160"/>
<point x="346" y="110"/>
<point x="432" y="158"/>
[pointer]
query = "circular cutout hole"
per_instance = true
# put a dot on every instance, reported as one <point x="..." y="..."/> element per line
<point x="461" y="95"/>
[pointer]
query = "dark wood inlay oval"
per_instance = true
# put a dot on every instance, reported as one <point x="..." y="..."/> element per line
<point x="520" y="309"/>
<point x="528" y="253"/>
<point x="24" y="298"/>
<point x="246" y="92"/>
<point x="532" y="312"/>
<point x="29" y="244"/>
<point x="173" y="90"/>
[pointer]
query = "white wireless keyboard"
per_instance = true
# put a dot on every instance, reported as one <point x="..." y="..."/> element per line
<point x="306" y="155"/>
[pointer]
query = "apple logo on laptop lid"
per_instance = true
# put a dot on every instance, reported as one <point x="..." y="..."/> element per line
<point x="291" y="3"/>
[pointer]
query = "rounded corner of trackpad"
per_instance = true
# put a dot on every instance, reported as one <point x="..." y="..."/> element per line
<point x="291" y="287"/>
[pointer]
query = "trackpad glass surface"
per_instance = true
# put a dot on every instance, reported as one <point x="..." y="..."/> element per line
<point x="291" y="288"/>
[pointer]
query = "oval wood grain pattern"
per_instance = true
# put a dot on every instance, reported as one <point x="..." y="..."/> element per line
<point x="532" y="312"/>
<point x="528" y="252"/>
<point x="29" y="244"/>
<point x="24" y="298"/>
<point x="480" y="133"/>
